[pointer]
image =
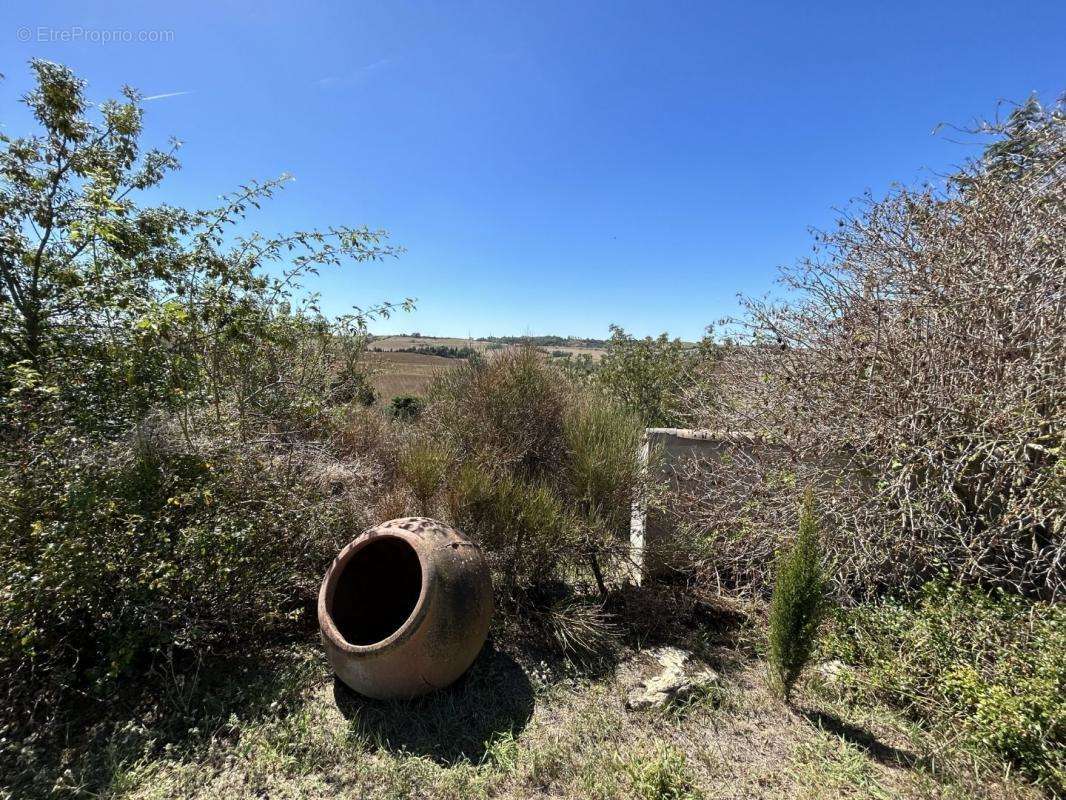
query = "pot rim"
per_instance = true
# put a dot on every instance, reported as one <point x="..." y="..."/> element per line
<point x="329" y="587"/>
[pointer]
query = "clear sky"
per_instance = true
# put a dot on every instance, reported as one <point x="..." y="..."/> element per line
<point x="552" y="167"/>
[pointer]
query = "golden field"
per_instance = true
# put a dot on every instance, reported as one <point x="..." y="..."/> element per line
<point x="399" y="373"/>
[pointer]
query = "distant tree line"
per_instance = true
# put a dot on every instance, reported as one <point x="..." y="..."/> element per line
<point x="444" y="351"/>
<point x="548" y="341"/>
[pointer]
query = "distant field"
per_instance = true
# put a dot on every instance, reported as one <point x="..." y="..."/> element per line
<point x="406" y="373"/>
<point x="402" y="342"/>
<point x="399" y="373"/>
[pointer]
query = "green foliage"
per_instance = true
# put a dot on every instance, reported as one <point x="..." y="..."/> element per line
<point x="648" y="376"/>
<point x="525" y="529"/>
<point x="406" y="407"/>
<point x="798" y="603"/>
<point x="548" y="467"/>
<point x="664" y="776"/>
<point x="124" y="308"/>
<point x="423" y="467"/>
<point x="160" y="378"/>
<point x="991" y="666"/>
<point x="441" y="350"/>
<point x="602" y="458"/>
<point x="115" y="557"/>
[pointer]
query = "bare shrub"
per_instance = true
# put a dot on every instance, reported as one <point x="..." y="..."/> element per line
<point x="917" y="370"/>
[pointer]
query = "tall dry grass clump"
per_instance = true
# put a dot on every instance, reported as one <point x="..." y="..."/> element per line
<point x="915" y="374"/>
<point x="508" y="410"/>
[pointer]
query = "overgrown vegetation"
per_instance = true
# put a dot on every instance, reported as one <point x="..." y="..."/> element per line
<point x="915" y="374"/>
<point x="186" y="441"/>
<point x="987" y="666"/>
<point x="544" y="473"/>
<point x="651" y="377"/>
<point x="162" y="500"/>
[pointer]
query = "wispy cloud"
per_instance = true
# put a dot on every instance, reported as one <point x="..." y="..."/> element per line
<point x="353" y="78"/>
<point x="165" y="94"/>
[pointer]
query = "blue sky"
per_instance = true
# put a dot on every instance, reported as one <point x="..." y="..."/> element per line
<point x="552" y="167"/>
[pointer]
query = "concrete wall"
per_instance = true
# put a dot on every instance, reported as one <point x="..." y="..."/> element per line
<point x="662" y="450"/>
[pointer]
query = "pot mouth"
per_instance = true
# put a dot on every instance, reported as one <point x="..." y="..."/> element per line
<point x="374" y="592"/>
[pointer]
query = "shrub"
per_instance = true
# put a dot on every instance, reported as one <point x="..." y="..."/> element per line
<point x="916" y="364"/>
<point x="649" y="376"/>
<point x="988" y="665"/>
<point x="423" y="467"/>
<point x="580" y="630"/>
<point x="165" y="399"/>
<point x="406" y="407"/>
<point x="797" y="604"/>
<point x="602" y="471"/>
<point x="360" y="432"/>
<point x="507" y="410"/>
<point x="526" y="531"/>
<point x="602" y="463"/>
<point x="548" y="470"/>
<point x="114" y="559"/>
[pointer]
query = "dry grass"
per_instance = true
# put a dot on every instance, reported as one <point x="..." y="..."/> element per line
<point x="406" y="373"/>
<point x="397" y="373"/>
<point x="517" y="728"/>
<point x="389" y="343"/>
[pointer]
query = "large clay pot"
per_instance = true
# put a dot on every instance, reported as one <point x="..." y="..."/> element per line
<point x="405" y="608"/>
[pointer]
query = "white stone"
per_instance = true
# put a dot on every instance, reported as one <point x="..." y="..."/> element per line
<point x="678" y="676"/>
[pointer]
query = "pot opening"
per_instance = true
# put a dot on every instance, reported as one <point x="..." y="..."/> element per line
<point x="377" y="591"/>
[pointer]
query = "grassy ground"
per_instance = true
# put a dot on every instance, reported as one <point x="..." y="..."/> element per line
<point x="278" y="725"/>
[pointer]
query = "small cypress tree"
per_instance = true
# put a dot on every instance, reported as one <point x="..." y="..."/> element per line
<point x="798" y="603"/>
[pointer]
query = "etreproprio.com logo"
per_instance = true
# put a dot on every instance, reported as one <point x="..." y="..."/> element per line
<point x="77" y="33"/>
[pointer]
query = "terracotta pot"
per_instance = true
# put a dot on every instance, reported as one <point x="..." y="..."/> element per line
<point x="405" y="608"/>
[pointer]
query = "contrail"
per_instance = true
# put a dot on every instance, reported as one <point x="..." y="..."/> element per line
<point x="165" y="94"/>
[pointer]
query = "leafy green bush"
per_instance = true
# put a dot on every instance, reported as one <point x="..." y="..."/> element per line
<point x="649" y="376"/>
<point x="165" y="402"/>
<point x="989" y="665"/>
<point x="115" y="558"/>
<point x="798" y="603"/>
<point x="406" y="407"/>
